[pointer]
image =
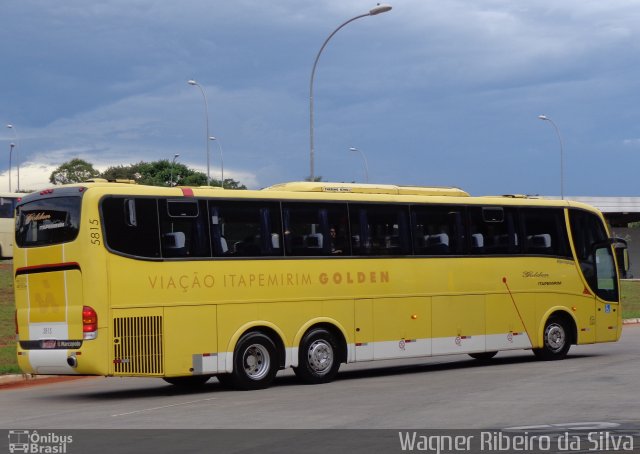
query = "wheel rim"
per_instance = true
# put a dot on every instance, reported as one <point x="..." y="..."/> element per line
<point x="256" y="361"/>
<point x="320" y="356"/>
<point x="555" y="337"/>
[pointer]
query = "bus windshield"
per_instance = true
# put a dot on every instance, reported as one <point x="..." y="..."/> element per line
<point x="48" y="221"/>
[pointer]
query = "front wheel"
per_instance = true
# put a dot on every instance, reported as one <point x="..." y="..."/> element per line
<point x="255" y="362"/>
<point x="556" y="340"/>
<point x="318" y="357"/>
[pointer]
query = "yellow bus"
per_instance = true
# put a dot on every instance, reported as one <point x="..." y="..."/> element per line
<point x="184" y="284"/>
<point x="7" y="225"/>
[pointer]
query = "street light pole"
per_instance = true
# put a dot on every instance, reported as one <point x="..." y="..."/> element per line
<point x="373" y="12"/>
<point x="366" y="166"/>
<point x="206" y="112"/>
<point x="546" y="118"/>
<point x="173" y="163"/>
<point x="11" y="146"/>
<point x="221" y="160"/>
<point x="15" y="134"/>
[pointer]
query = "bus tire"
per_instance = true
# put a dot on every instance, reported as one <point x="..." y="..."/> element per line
<point x="556" y="340"/>
<point x="194" y="381"/>
<point x="318" y="357"/>
<point x="255" y="362"/>
<point x="483" y="356"/>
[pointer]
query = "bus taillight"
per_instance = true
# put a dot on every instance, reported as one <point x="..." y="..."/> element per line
<point x="89" y="323"/>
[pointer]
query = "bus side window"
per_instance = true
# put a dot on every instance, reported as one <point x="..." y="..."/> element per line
<point x="594" y="253"/>
<point x="184" y="228"/>
<point x="131" y="226"/>
<point x="493" y="230"/>
<point x="315" y="229"/>
<point x="436" y="230"/>
<point x="7" y="205"/>
<point x="380" y="229"/>
<point x="245" y="229"/>
<point x="544" y="232"/>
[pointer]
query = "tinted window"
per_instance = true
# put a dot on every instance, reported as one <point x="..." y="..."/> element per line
<point x="492" y="230"/>
<point x="596" y="259"/>
<point x="379" y="229"/>
<point x="245" y="229"/>
<point x="437" y="230"/>
<point x="544" y="232"/>
<point x="183" y="228"/>
<point x="7" y="205"/>
<point x="48" y="221"/>
<point x="131" y="226"/>
<point x="587" y="230"/>
<point x="315" y="229"/>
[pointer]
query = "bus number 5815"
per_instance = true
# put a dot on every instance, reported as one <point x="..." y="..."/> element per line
<point x="94" y="231"/>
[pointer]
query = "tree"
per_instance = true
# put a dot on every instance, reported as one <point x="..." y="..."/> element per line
<point x="74" y="171"/>
<point x="165" y="173"/>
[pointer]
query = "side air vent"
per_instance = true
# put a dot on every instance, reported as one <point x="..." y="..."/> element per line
<point x="137" y="343"/>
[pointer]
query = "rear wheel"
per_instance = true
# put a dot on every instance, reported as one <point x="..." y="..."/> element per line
<point x="255" y="362"/>
<point x="318" y="357"/>
<point x="556" y="340"/>
<point x="193" y="381"/>
<point x="484" y="356"/>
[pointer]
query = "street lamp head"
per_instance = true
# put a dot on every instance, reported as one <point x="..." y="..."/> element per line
<point x="543" y="117"/>
<point x="12" y="145"/>
<point x="353" y="149"/>
<point x="10" y="126"/>
<point x="212" y="138"/>
<point x="176" y="156"/>
<point x="192" y="82"/>
<point x="379" y="9"/>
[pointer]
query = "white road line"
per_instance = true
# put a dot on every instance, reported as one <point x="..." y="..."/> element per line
<point x="164" y="406"/>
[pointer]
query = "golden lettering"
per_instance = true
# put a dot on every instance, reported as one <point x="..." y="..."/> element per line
<point x="31" y="217"/>
<point x="171" y="282"/>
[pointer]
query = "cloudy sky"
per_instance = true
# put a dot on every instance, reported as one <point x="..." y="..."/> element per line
<point x="432" y="92"/>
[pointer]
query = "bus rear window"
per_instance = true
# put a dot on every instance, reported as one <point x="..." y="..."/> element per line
<point x="48" y="221"/>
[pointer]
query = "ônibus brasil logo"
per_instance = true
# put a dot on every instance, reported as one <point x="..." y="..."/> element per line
<point x="32" y="442"/>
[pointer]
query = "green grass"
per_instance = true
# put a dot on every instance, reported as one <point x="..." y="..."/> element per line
<point x="9" y="365"/>
<point x="8" y="362"/>
<point x="630" y="299"/>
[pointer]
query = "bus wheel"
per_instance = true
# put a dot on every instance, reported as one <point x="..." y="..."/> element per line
<point x="193" y="381"/>
<point x="557" y="340"/>
<point x="255" y="362"/>
<point x="318" y="357"/>
<point x="484" y="356"/>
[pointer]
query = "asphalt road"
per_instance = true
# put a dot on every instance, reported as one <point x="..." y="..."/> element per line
<point x="596" y="383"/>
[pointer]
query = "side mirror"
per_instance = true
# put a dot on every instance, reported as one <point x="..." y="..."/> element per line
<point x="621" y="251"/>
<point x="622" y="256"/>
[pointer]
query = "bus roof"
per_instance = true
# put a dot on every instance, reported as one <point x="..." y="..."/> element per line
<point x="305" y="190"/>
<point x="321" y="186"/>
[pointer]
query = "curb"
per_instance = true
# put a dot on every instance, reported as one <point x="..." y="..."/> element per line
<point x="11" y="380"/>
